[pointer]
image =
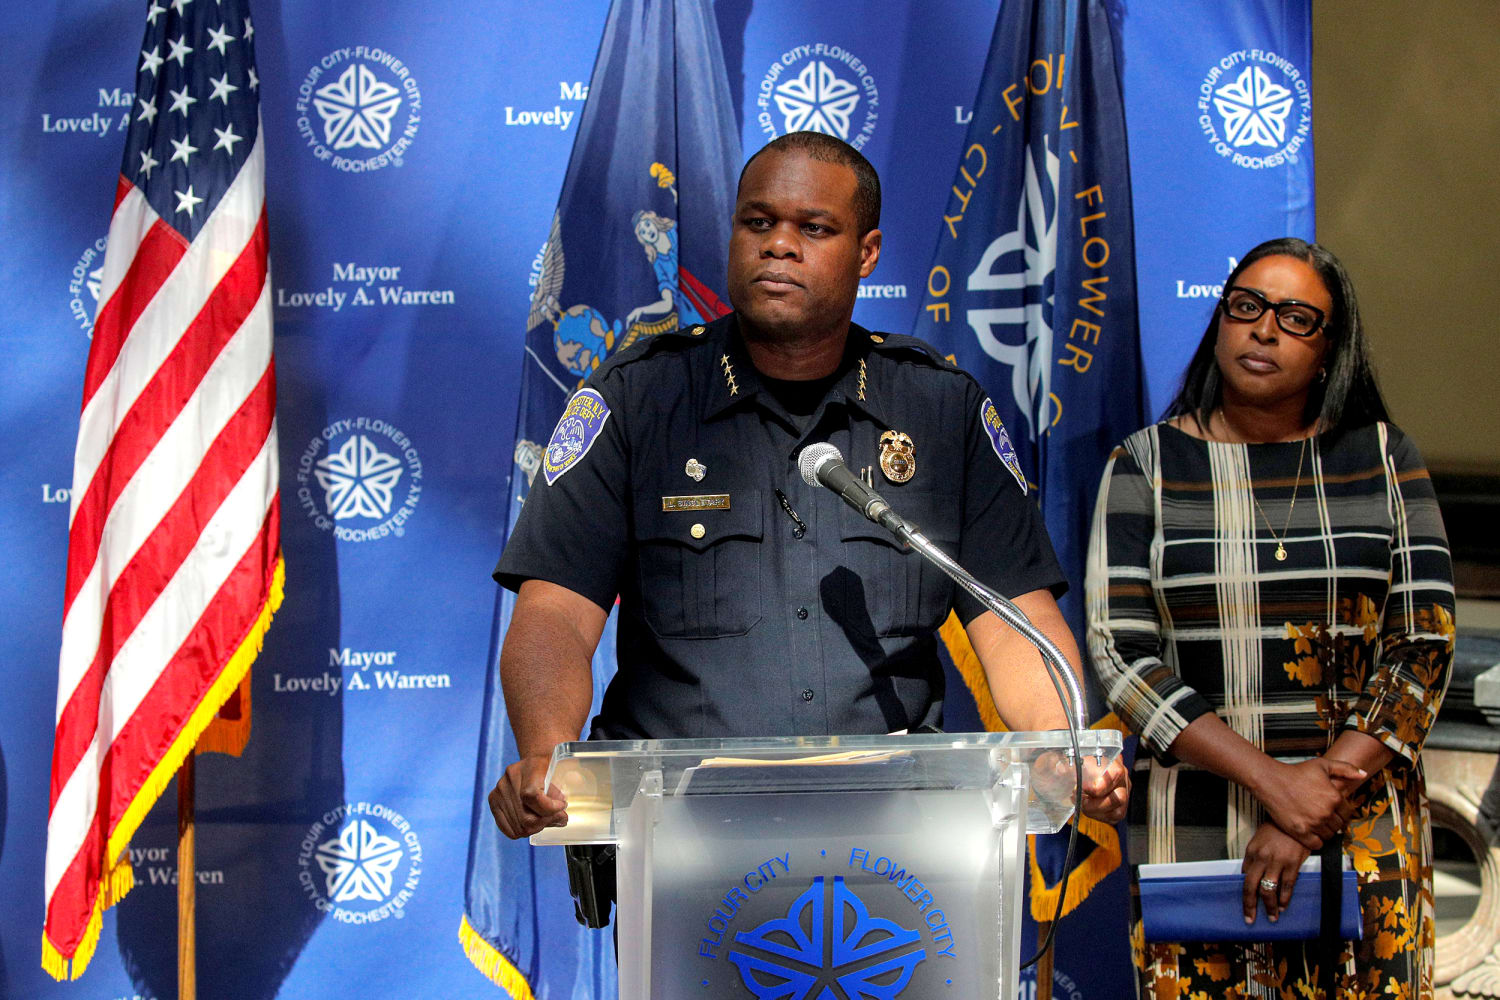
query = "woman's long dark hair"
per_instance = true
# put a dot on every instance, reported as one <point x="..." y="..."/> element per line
<point x="1349" y="397"/>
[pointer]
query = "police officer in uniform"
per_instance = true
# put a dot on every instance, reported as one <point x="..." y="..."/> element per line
<point x="752" y="604"/>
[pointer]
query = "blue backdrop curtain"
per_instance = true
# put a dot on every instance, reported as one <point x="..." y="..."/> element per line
<point x="415" y="163"/>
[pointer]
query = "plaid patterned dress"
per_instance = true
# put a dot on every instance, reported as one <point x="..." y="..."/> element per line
<point x="1190" y="612"/>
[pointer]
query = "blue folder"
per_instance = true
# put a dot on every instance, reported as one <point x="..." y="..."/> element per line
<point x="1202" y="901"/>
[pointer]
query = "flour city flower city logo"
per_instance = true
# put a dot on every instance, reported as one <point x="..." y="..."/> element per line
<point x="1255" y="109"/>
<point x="819" y="88"/>
<point x="859" y="924"/>
<point x="359" y="108"/>
<point x="360" y="863"/>
<point x="83" y="285"/>
<point x="865" y="955"/>
<point x="360" y="478"/>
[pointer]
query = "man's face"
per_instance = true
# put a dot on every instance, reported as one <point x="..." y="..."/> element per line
<point x="795" y="255"/>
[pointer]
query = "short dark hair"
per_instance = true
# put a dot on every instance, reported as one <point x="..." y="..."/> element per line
<point x="819" y="146"/>
<point x="1348" y="397"/>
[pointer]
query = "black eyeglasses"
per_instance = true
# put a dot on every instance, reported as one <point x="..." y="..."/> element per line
<point x="1245" y="305"/>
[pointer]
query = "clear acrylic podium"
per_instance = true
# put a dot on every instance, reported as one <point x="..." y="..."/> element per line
<point x="820" y="868"/>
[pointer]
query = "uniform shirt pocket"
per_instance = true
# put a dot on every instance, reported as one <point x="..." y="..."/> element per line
<point x="902" y="593"/>
<point x="699" y="570"/>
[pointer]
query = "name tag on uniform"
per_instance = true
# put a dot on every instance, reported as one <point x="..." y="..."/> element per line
<point x="705" y="501"/>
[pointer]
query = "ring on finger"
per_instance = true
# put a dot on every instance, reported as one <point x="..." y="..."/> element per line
<point x="1268" y="884"/>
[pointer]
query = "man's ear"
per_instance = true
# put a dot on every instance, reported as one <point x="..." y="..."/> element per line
<point x="869" y="252"/>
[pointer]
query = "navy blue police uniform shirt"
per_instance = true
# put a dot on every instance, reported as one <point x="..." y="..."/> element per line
<point x="659" y="485"/>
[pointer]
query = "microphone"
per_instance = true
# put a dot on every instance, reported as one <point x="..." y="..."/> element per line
<point x="821" y="463"/>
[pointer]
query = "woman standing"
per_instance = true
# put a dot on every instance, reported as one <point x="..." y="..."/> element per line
<point x="1270" y="605"/>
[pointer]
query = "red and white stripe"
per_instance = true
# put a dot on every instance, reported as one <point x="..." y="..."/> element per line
<point x="174" y="529"/>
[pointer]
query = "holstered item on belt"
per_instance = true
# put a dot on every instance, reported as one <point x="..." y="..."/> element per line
<point x="591" y="880"/>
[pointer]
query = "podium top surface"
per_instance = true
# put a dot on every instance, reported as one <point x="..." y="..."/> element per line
<point x="601" y="778"/>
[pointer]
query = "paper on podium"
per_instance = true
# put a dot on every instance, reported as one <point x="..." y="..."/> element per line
<point x="862" y="770"/>
<point x="841" y="757"/>
<point x="601" y="778"/>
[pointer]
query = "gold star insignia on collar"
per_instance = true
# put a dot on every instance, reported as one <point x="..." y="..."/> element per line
<point x="734" y="389"/>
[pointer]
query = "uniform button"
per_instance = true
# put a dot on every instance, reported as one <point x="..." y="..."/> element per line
<point x="807" y="694"/>
<point x="697" y="531"/>
<point x="802" y="613"/>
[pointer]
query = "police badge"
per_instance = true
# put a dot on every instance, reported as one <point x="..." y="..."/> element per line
<point x="898" y="458"/>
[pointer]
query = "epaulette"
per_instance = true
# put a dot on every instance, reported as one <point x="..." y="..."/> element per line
<point x="911" y="349"/>
<point x="671" y="340"/>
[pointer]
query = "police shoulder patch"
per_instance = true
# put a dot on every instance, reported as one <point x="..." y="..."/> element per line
<point x="1000" y="441"/>
<point x="575" y="434"/>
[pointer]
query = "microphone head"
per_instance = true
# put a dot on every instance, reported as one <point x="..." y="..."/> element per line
<point x="813" y="457"/>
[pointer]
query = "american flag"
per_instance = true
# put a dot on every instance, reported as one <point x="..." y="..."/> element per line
<point x="174" y="564"/>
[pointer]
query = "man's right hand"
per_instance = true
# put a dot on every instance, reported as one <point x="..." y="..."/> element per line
<point x="519" y="804"/>
<point x="545" y="674"/>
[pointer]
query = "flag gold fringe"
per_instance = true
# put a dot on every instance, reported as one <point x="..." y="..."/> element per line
<point x="1106" y="856"/>
<point x="53" y="963"/>
<point x="228" y="680"/>
<point x="57" y="965"/>
<point x="967" y="661"/>
<point x="119" y="880"/>
<point x="495" y="966"/>
<point x="1103" y="859"/>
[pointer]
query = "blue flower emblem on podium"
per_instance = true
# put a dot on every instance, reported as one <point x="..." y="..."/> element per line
<point x="827" y="947"/>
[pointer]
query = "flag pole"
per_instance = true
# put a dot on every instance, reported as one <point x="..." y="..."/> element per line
<point x="1044" y="964"/>
<point x="187" y="902"/>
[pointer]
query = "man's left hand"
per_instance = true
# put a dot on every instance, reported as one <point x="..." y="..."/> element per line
<point x="1106" y="790"/>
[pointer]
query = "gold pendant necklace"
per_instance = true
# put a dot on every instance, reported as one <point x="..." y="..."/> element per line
<point x="1281" y="539"/>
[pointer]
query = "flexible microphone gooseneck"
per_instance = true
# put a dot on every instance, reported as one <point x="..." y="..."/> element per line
<point x="822" y="464"/>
